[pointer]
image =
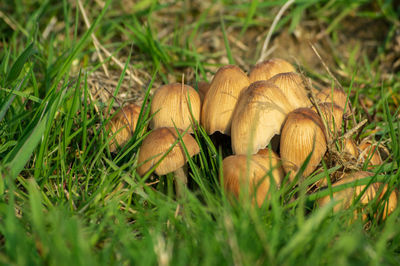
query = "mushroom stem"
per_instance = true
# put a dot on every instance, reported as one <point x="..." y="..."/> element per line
<point x="180" y="181"/>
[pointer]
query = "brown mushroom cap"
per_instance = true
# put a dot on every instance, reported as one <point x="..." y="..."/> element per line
<point x="333" y="116"/>
<point x="124" y="122"/>
<point x="303" y="128"/>
<point x="347" y="196"/>
<point x="350" y="147"/>
<point x="336" y="95"/>
<point x="371" y="152"/>
<point x="171" y="105"/>
<point x="241" y="171"/>
<point x="203" y="87"/>
<point x="269" y="68"/>
<point x="291" y="84"/>
<point x="221" y="98"/>
<point x="258" y="116"/>
<point x="157" y="143"/>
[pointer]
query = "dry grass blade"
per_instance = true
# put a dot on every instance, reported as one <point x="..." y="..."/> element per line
<point x="333" y="77"/>
<point x="98" y="46"/>
<point x="95" y="41"/>
<point x="264" y="52"/>
<point x="8" y="21"/>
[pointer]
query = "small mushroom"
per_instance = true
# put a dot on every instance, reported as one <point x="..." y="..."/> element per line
<point x="258" y="116"/>
<point x="123" y="125"/>
<point x="221" y="98"/>
<point x="269" y="68"/>
<point x="302" y="134"/>
<point x="175" y="105"/>
<point x="157" y="144"/>
<point x="202" y="87"/>
<point x="350" y="147"/>
<point x="241" y="171"/>
<point x="347" y="195"/>
<point x="370" y="152"/>
<point x="334" y="95"/>
<point x="291" y="84"/>
<point x="332" y="114"/>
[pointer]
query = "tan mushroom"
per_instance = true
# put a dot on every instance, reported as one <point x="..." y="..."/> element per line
<point x="123" y="125"/>
<point x="332" y="114"/>
<point x="252" y="173"/>
<point x="302" y="134"/>
<point x="350" y="147"/>
<point x="175" y="105"/>
<point x="258" y="116"/>
<point x="347" y="196"/>
<point x="269" y="68"/>
<point x="335" y="95"/>
<point x="291" y="85"/>
<point x="221" y="98"/>
<point x="157" y="144"/>
<point x="203" y="87"/>
<point x="370" y="152"/>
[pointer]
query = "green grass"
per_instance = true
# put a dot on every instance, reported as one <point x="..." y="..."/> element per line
<point x="65" y="199"/>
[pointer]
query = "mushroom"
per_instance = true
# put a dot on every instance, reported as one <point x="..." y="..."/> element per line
<point x="123" y="125"/>
<point x="165" y="142"/>
<point x="350" y="147"/>
<point x="221" y="98"/>
<point x="332" y="114"/>
<point x="202" y="87"/>
<point x="269" y="68"/>
<point x="253" y="173"/>
<point x="335" y="95"/>
<point x="258" y="116"/>
<point x="302" y="134"/>
<point x="347" y="195"/>
<point x="175" y="105"/>
<point x="291" y="84"/>
<point x="370" y="152"/>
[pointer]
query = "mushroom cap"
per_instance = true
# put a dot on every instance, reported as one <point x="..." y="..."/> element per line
<point x="371" y="152"/>
<point x="157" y="143"/>
<point x="333" y="116"/>
<point x="292" y="86"/>
<point x="241" y="171"/>
<point x="171" y="105"/>
<point x="269" y="68"/>
<point x="221" y="98"/>
<point x="347" y="195"/>
<point x="124" y="122"/>
<point x="303" y="128"/>
<point x="203" y="87"/>
<point x="350" y="147"/>
<point x="335" y="95"/>
<point x="258" y="116"/>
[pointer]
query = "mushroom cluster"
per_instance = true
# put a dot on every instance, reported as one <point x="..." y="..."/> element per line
<point x="278" y="128"/>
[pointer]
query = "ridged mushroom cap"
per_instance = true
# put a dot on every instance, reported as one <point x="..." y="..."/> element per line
<point x="269" y="68"/>
<point x="333" y="116"/>
<point x="241" y="171"/>
<point x="259" y="115"/>
<point x="348" y="195"/>
<point x="175" y="105"/>
<point x="370" y="152"/>
<point x="350" y="147"/>
<point x="124" y="122"/>
<point x="335" y="95"/>
<point x="203" y="87"/>
<point x="302" y="131"/>
<point x="291" y="84"/>
<point x="157" y="143"/>
<point x="221" y="99"/>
